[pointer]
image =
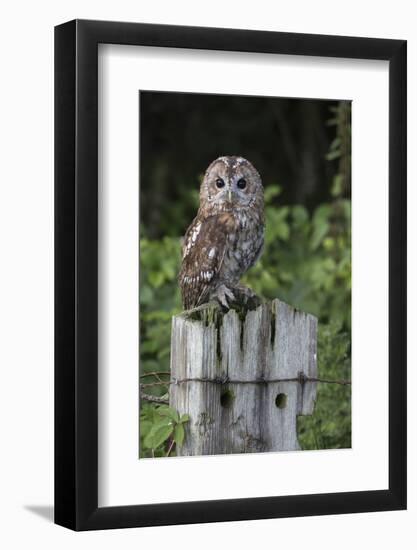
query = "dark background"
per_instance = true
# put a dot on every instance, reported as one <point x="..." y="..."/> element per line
<point x="287" y="140"/>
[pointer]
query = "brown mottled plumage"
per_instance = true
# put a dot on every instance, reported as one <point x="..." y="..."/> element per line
<point x="226" y="237"/>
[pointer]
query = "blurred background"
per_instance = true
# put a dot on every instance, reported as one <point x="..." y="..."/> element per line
<point x="302" y="149"/>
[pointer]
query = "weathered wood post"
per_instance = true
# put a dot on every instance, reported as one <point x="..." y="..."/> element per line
<point x="241" y="377"/>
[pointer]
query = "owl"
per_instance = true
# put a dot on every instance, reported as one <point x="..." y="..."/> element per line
<point x="226" y="237"/>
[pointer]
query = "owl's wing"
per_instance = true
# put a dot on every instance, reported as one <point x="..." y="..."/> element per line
<point x="203" y="252"/>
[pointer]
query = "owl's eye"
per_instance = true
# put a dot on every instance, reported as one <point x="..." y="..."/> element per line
<point x="219" y="183"/>
<point x="241" y="183"/>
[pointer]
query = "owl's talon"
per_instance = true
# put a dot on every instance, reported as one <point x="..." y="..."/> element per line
<point x="224" y="295"/>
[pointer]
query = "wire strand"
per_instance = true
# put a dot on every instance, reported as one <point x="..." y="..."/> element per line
<point x="301" y="379"/>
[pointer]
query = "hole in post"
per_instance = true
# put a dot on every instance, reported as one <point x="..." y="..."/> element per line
<point x="281" y="400"/>
<point x="273" y="326"/>
<point x="226" y="399"/>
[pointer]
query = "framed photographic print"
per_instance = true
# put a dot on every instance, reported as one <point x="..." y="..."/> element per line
<point x="230" y="275"/>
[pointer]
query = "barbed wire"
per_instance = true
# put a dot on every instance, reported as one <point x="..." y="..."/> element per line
<point x="154" y="398"/>
<point x="156" y="373"/>
<point x="301" y="378"/>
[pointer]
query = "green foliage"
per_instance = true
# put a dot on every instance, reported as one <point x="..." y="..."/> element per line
<point x="340" y="148"/>
<point x="181" y="133"/>
<point x="306" y="263"/>
<point x="159" y="301"/>
<point x="330" y="425"/>
<point x="161" y="428"/>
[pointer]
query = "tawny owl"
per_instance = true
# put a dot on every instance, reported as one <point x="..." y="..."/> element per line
<point x="226" y="237"/>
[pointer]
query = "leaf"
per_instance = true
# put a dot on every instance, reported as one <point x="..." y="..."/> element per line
<point x="179" y="434"/>
<point x="347" y="209"/>
<point x="145" y="295"/>
<point x="156" y="278"/>
<point x="286" y="276"/>
<point x="148" y="441"/>
<point x="337" y="185"/>
<point x="276" y="221"/>
<point x="320" y="231"/>
<point x="283" y="231"/>
<point x="299" y="214"/>
<point x="333" y="155"/>
<point x="185" y="418"/>
<point x="145" y="427"/>
<point x="271" y="192"/>
<point x="170" y="412"/>
<point x="328" y="244"/>
<point x="158" y="434"/>
<point x="161" y="434"/>
<point x="335" y="143"/>
<point x="321" y="213"/>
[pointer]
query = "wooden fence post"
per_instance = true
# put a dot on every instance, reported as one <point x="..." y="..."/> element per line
<point x="241" y="377"/>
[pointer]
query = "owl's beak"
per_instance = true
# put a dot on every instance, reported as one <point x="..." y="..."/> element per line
<point x="229" y="194"/>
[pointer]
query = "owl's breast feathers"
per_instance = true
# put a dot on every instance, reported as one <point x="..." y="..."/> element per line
<point x="218" y="250"/>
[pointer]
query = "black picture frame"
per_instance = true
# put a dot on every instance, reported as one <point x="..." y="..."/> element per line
<point x="76" y="271"/>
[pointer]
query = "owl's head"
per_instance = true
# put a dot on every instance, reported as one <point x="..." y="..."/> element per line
<point x="229" y="183"/>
